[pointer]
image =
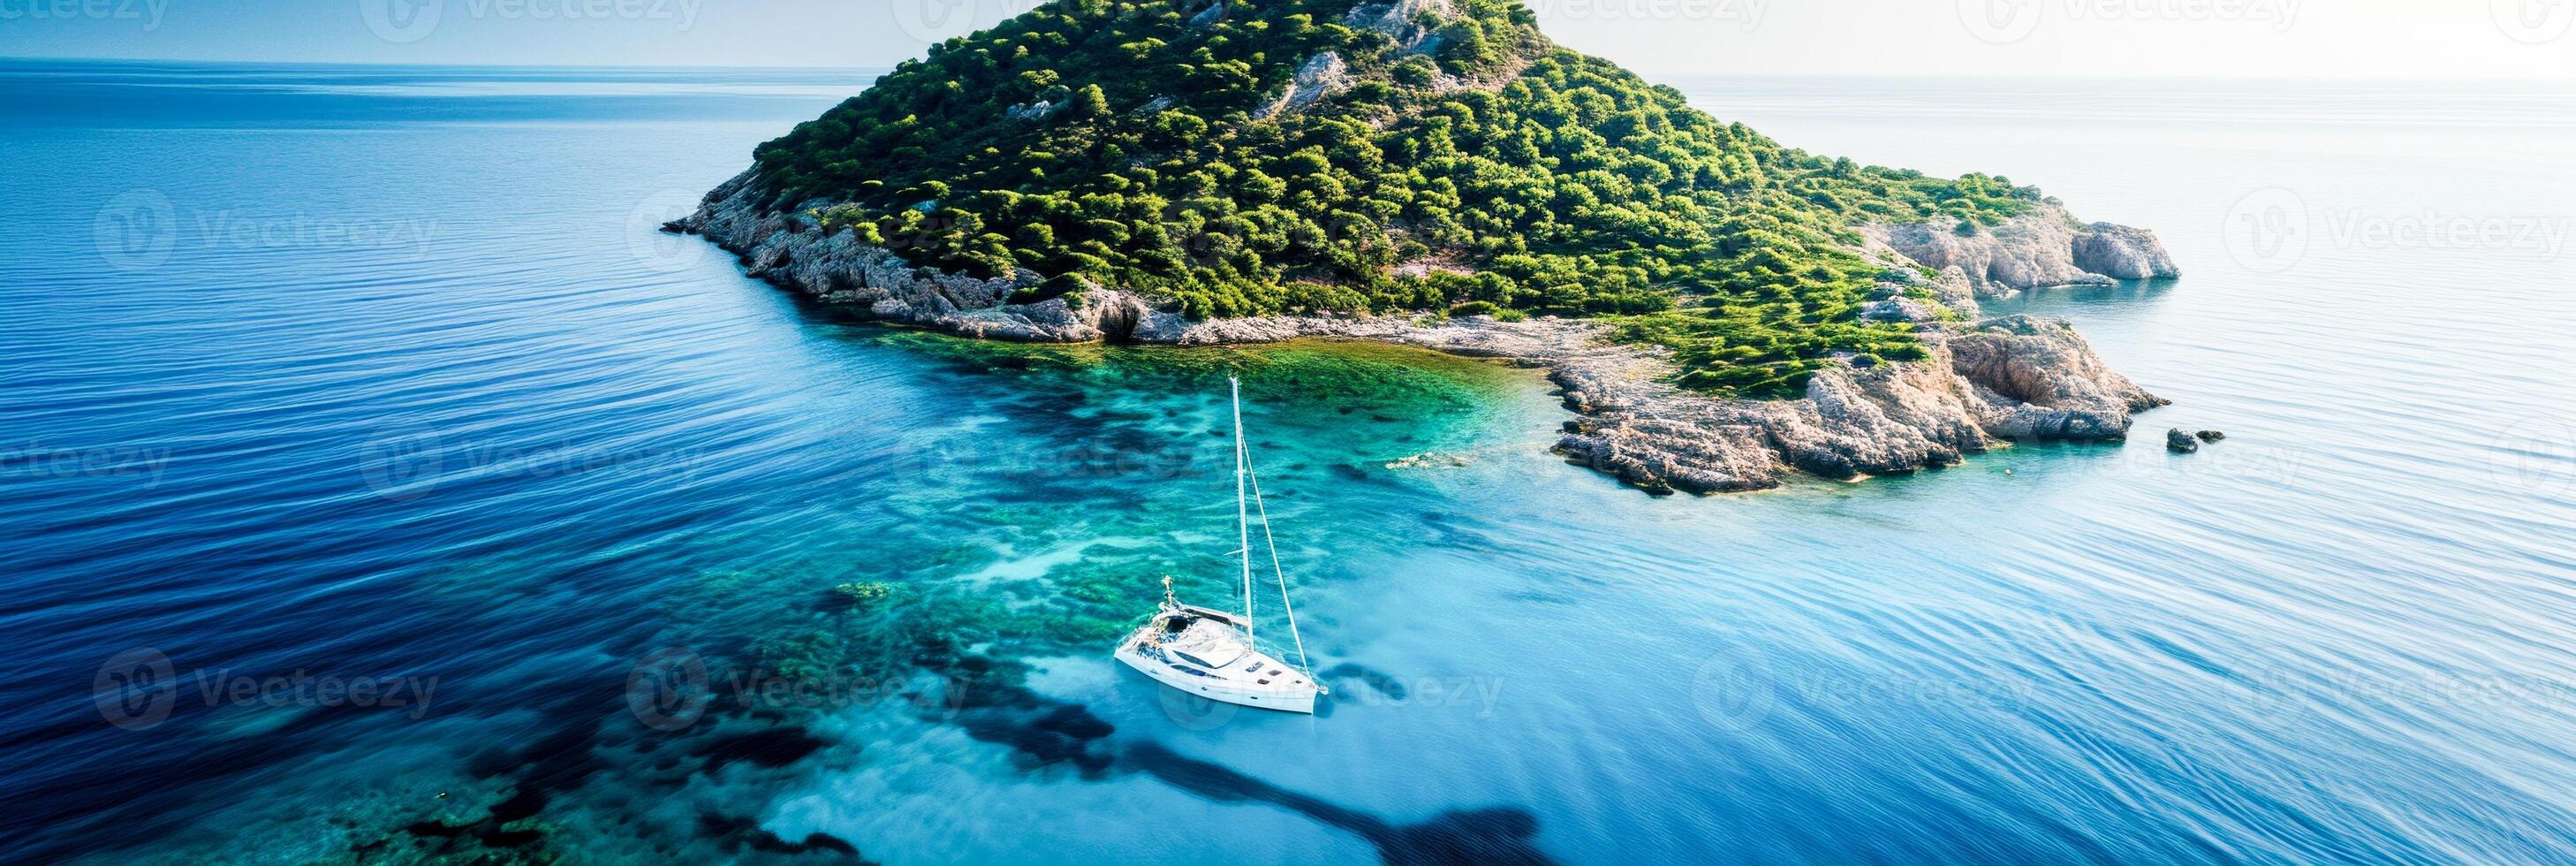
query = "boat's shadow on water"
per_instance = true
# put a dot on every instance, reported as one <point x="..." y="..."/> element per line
<point x="1050" y="732"/>
<point x="1490" y="835"/>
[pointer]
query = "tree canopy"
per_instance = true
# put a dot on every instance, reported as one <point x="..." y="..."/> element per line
<point x="1154" y="146"/>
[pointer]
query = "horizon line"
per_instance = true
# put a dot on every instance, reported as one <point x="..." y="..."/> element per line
<point x="1647" y="72"/>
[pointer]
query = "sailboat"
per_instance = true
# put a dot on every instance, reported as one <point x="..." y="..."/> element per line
<point x="1211" y="653"/>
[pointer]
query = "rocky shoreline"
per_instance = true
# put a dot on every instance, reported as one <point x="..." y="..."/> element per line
<point x="1988" y="380"/>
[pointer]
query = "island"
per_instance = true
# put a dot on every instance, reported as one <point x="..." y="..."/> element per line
<point x="1719" y="310"/>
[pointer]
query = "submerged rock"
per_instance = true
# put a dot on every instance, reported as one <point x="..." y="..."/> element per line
<point x="2180" y="442"/>
<point x="1432" y="460"/>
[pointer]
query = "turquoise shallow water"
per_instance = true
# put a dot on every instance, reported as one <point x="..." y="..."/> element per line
<point x="382" y="375"/>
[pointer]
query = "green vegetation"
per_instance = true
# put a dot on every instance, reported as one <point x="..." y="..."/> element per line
<point x="1553" y="182"/>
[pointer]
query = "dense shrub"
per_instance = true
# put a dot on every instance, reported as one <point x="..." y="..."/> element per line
<point x="1568" y="185"/>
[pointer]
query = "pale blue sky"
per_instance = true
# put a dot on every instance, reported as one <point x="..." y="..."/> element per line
<point x="2302" y="38"/>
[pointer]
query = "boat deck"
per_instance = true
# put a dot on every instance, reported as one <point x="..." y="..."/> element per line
<point x="1205" y="656"/>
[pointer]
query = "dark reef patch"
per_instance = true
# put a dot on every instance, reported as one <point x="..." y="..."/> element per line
<point x="735" y="835"/>
<point x="767" y="747"/>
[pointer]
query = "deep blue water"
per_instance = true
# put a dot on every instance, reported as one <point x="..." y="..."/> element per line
<point x="380" y="374"/>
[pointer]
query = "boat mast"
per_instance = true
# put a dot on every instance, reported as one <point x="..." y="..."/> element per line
<point x="1285" y="605"/>
<point x="1242" y="519"/>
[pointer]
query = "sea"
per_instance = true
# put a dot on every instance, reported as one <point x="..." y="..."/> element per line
<point x="378" y="483"/>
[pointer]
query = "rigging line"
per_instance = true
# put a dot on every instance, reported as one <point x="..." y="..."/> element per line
<point x="1273" y="542"/>
<point x="1242" y="523"/>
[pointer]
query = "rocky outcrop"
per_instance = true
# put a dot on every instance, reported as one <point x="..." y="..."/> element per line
<point x="2001" y="379"/>
<point x="2180" y="442"/>
<point x="1402" y="21"/>
<point x="781" y="245"/>
<point x="2121" y="252"/>
<point x="1906" y="294"/>
<point x="1032" y="112"/>
<point x="1214" y="13"/>
<point x="2008" y="378"/>
<point x="1899" y="310"/>
<point x="2042" y="248"/>
<point x="1323" y="75"/>
<point x="2037" y="379"/>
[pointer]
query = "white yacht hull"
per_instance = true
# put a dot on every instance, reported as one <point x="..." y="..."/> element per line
<point x="1301" y="701"/>
<point x="1237" y="683"/>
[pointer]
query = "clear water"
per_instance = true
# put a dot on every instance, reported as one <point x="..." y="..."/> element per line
<point x="381" y="374"/>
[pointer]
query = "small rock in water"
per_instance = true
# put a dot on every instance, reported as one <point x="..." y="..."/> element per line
<point x="2180" y="442"/>
<point x="2210" y="435"/>
<point x="1431" y="460"/>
